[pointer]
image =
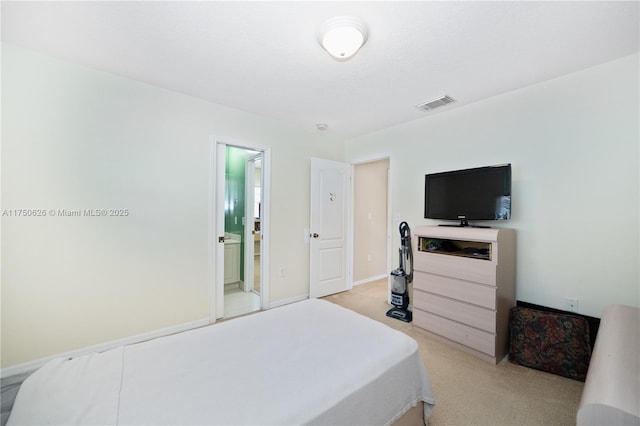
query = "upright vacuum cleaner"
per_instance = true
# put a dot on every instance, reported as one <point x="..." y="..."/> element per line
<point x="401" y="277"/>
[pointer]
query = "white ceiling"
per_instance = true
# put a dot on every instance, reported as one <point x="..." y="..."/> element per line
<point x="264" y="57"/>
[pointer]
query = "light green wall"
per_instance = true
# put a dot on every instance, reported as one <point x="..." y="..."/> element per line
<point x="77" y="138"/>
<point x="574" y="147"/>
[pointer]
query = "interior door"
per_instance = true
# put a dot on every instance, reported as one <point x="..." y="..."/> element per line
<point x="330" y="203"/>
<point x="253" y="174"/>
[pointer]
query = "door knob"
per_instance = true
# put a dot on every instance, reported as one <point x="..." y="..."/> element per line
<point x="315" y="235"/>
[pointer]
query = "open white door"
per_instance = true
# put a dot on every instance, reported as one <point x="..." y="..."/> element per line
<point x="330" y="203"/>
<point x="253" y="175"/>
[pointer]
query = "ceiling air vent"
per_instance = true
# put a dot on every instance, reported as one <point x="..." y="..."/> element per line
<point x="435" y="103"/>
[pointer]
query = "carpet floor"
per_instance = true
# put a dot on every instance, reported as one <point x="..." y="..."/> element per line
<point x="469" y="391"/>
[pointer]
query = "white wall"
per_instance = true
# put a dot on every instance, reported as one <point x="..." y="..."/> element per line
<point x="574" y="147"/>
<point x="75" y="138"/>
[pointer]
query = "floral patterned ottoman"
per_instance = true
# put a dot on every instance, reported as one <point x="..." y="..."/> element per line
<point x="553" y="342"/>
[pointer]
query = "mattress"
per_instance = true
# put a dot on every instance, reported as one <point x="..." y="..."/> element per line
<point x="311" y="362"/>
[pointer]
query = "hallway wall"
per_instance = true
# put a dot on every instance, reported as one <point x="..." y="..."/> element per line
<point x="370" y="220"/>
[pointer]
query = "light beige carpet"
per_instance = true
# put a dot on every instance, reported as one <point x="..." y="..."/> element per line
<point x="469" y="391"/>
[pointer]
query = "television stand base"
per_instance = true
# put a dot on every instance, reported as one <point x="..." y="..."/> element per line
<point x="464" y="225"/>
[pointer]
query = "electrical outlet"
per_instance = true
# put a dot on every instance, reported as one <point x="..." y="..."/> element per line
<point x="571" y="304"/>
<point x="283" y="272"/>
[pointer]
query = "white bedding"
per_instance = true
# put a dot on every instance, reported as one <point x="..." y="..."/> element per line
<point x="310" y="362"/>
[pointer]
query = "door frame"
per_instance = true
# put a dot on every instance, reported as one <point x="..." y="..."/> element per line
<point x="216" y="216"/>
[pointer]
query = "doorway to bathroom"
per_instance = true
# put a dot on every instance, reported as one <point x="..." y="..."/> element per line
<point x="241" y="193"/>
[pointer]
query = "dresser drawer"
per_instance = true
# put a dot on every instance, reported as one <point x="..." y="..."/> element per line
<point x="477" y="294"/>
<point x="475" y="316"/>
<point x="475" y="270"/>
<point x="460" y="333"/>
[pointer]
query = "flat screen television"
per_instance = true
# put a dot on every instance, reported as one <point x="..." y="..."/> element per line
<point x="482" y="193"/>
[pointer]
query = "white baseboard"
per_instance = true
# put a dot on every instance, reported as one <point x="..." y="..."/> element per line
<point x="369" y="280"/>
<point x="101" y="347"/>
<point x="288" y="301"/>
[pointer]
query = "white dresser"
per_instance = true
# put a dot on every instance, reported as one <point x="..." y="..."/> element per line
<point x="464" y="286"/>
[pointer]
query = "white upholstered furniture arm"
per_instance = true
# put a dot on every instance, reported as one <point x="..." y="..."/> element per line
<point x="611" y="394"/>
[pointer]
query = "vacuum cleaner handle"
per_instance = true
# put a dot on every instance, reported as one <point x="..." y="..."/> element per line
<point x="406" y="252"/>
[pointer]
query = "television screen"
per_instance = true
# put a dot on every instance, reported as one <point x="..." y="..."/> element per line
<point x="482" y="193"/>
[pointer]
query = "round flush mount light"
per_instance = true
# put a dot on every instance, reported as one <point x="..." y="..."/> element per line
<point x="343" y="36"/>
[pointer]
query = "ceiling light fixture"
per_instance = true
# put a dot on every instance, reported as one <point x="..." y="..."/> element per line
<point x="343" y="36"/>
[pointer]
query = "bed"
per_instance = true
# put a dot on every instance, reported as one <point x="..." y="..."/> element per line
<point x="311" y="362"/>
